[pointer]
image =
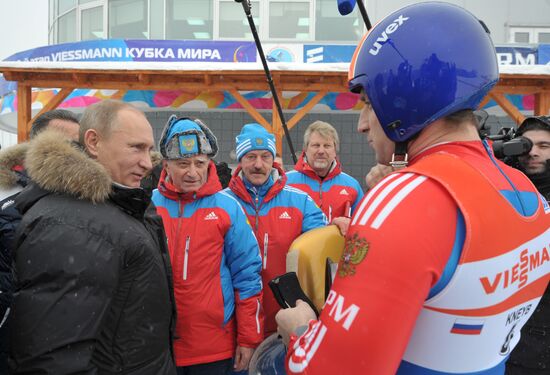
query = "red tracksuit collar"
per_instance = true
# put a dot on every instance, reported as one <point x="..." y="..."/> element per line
<point x="303" y="167"/>
<point x="237" y="185"/>
<point x="462" y="147"/>
<point x="211" y="186"/>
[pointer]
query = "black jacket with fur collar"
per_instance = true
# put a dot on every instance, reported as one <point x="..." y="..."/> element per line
<point x="94" y="289"/>
<point x="12" y="180"/>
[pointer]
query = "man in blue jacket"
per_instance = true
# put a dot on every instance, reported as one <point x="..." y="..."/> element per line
<point x="277" y="212"/>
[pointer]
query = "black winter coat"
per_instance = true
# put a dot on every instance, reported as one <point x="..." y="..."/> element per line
<point x="93" y="277"/>
<point x="12" y="180"/>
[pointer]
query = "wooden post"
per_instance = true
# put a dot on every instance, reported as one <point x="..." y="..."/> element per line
<point x="542" y="104"/>
<point x="24" y="102"/>
<point x="305" y="109"/>
<point x="277" y="129"/>
<point x="251" y="110"/>
<point x="276" y="122"/>
<point x="508" y="107"/>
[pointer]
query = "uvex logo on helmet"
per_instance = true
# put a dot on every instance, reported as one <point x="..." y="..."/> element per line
<point x="384" y="37"/>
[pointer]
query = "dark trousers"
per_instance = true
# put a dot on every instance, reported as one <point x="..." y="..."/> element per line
<point x="532" y="354"/>
<point x="223" y="367"/>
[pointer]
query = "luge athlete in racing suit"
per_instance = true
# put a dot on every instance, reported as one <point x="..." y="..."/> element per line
<point x="444" y="260"/>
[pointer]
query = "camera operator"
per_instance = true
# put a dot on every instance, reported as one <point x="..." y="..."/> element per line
<point x="532" y="355"/>
<point x="536" y="164"/>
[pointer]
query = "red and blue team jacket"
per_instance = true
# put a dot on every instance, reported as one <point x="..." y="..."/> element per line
<point x="278" y="214"/>
<point x="444" y="263"/>
<point x="216" y="270"/>
<point x="337" y="194"/>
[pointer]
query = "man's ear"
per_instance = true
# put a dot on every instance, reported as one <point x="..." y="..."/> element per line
<point x="91" y="141"/>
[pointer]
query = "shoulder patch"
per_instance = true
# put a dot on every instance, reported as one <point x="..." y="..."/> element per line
<point x="355" y="251"/>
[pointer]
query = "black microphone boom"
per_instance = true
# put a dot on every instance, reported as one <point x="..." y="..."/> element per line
<point x="364" y="14"/>
<point x="345" y="7"/>
<point x="246" y="7"/>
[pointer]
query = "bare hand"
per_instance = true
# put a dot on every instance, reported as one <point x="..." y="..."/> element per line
<point x="290" y="319"/>
<point x="342" y="223"/>
<point x="377" y="173"/>
<point x="242" y="358"/>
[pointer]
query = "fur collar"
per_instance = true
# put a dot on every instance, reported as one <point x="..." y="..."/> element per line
<point x="60" y="166"/>
<point x="11" y="157"/>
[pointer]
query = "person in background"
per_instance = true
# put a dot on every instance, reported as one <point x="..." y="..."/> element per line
<point x="224" y="173"/>
<point x="214" y="255"/>
<point x="423" y="286"/>
<point x="319" y="173"/>
<point x="13" y="179"/>
<point x="376" y="174"/>
<point x="279" y="160"/>
<point x="278" y="213"/>
<point x="93" y="282"/>
<point x="532" y="354"/>
<point x="151" y="181"/>
<point x="536" y="164"/>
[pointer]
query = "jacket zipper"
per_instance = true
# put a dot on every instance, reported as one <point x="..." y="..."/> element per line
<point x="321" y="201"/>
<point x="256" y="208"/>
<point x="266" y="241"/>
<point x="186" y="257"/>
<point x="258" y="307"/>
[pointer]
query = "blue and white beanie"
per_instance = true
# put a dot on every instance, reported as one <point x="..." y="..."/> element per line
<point x="254" y="137"/>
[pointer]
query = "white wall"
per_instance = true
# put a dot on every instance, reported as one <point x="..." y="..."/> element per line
<point x="7" y="139"/>
<point x="24" y="25"/>
<point x="498" y="15"/>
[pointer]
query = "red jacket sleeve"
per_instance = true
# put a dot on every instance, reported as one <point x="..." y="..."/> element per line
<point x="250" y="321"/>
<point x="398" y="244"/>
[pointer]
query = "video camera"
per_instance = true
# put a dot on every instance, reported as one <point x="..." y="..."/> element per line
<point x="506" y="145"/>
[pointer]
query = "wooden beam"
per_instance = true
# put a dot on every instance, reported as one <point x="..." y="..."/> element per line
<point x="251" y="110"/>
<point x="233" y="81"/>
<point x="144" y="78"/>
<point x="542" y="104"/>
<point x="119" y="94"/>
<point x="484" y="102"/>
<point x="508" y="107"/>
<point x="276" y="120"/>
<point x="24" y="102"/>
<point x="166" y="80"/>
<point x="305" y="109"/>
<point x="53" y="103"/>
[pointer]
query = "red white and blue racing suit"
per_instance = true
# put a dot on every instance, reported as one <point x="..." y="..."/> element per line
<point x="216" y="270"/>
<point x="337" y="194"/>
<point x="278" y="214"/>
<point x="444" y="263"/>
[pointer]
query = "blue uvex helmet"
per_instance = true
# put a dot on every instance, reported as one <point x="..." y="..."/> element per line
<point x="423" y="62"/>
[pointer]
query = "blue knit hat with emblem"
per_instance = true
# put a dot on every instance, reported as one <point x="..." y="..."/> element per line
<point x="184" y="137"/>
<point x="254" y="137"/>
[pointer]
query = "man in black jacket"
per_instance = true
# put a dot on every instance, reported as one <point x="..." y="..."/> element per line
<point x="13" y="179"/>
<point x="532" y="355"/>
<point x="94" y="289"/>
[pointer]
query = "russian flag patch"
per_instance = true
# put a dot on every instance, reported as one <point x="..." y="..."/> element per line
<point x="467" y="327"/>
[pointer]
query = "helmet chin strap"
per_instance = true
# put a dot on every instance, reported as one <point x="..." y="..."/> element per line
<point x="400" y="158"/>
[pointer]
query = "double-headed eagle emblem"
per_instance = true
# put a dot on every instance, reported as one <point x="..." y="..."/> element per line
<point x="355" y="251"/>
<point x="188" y="144"/>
